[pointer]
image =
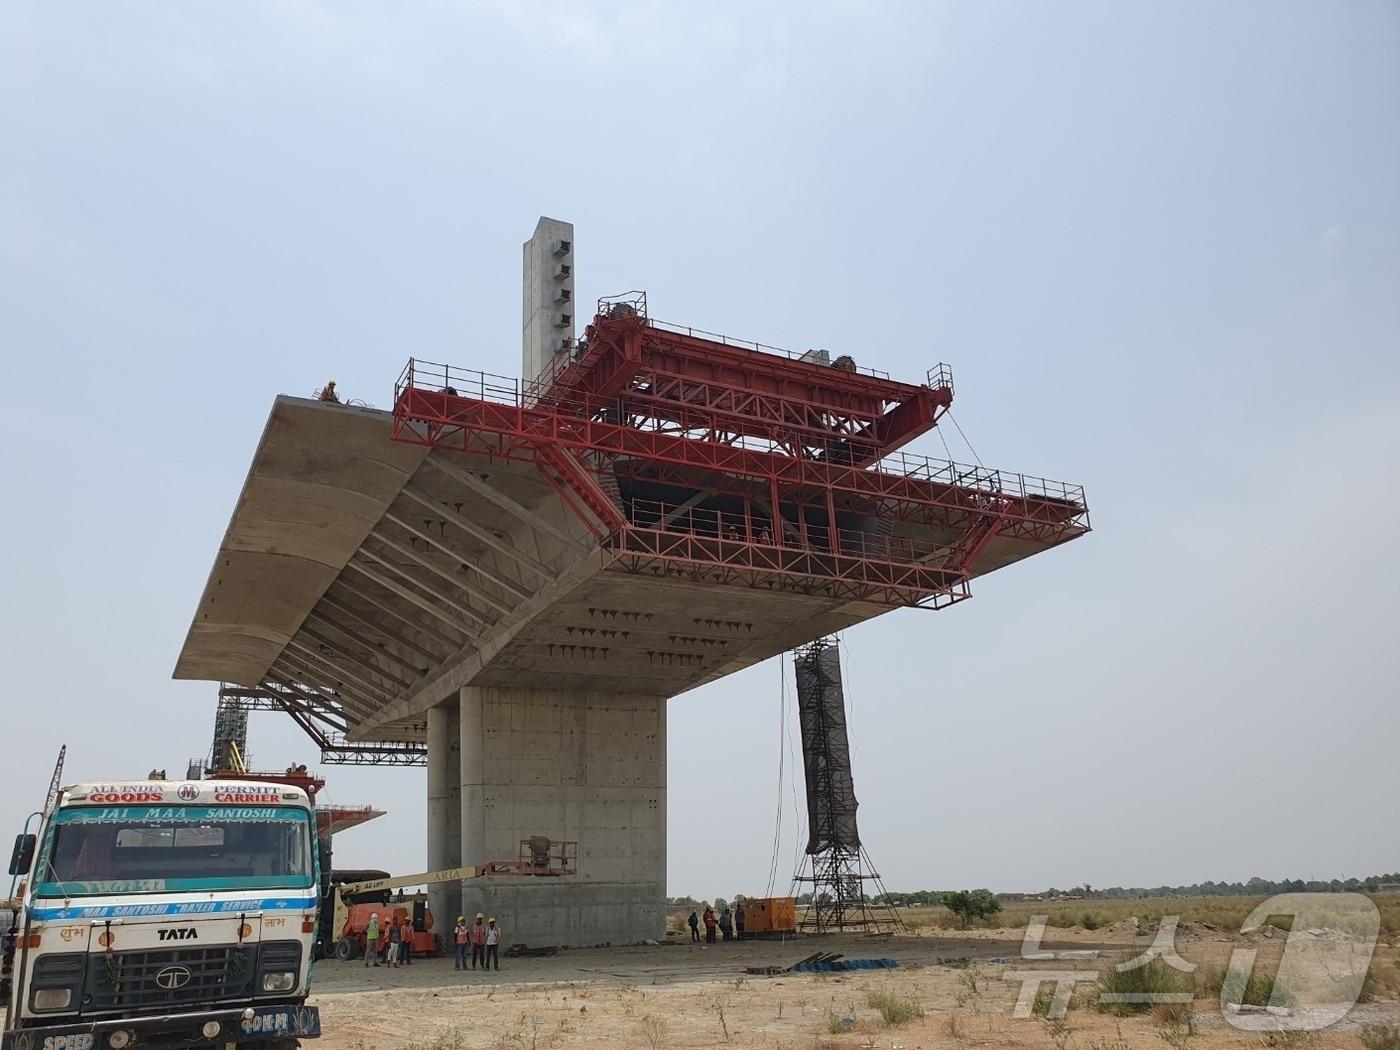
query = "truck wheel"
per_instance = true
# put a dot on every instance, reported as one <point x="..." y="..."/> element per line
<point x="345" y="949"/>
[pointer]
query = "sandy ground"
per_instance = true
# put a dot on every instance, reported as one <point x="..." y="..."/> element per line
<point x="679" y="995"/>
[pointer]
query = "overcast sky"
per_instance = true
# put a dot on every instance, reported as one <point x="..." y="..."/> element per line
<point x="1159" y="244"/>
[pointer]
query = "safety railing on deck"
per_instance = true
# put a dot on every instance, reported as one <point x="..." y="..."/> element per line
<point x="504" y="390"/>
<point x="785" y="534"/>
<point x="461" y="382"/>
<point x="747" y="344"/>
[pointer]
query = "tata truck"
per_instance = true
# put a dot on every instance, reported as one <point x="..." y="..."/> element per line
<point x="165" y="914"/>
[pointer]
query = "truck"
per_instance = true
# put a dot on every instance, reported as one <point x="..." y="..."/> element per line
<point x="172" y="913"/>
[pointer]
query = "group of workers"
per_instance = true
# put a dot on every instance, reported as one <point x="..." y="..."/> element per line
<point x="730" y="924"/>
<point x="484" y="939"/>
<point x="391" y="940"/>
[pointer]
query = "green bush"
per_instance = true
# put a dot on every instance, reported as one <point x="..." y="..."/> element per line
<point x="1258" y="989"/>
<point x="894" y="1009"/>
<point x="1153" y="978"/>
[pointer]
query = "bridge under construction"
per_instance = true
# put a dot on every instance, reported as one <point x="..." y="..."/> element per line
<point x="511" y="577"/>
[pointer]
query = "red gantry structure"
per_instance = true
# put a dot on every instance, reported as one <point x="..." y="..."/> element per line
<point x="691" y="456"/>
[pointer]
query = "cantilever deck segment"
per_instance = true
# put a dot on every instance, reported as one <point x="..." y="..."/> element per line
<point x="372" y="578"/>
<point x="321" y="478"/>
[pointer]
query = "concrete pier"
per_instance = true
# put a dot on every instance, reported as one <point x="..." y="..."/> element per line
<point x="582" y="767"/>
<point x="444" y="813"/>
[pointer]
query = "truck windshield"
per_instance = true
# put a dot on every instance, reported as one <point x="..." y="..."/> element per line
<point x="151" y="849"/>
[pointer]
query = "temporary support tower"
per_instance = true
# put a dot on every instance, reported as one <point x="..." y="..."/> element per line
<point x="836" y="867"/>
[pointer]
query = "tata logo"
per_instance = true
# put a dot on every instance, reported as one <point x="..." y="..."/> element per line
<point x="184" y="933"/>
<point x="188" y="792"/>
<point x="173" y="977"/>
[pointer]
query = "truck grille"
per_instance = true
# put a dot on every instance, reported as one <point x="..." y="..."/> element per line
<point x="127" y="980"/>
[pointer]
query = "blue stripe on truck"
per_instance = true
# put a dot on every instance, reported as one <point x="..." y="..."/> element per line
<point x="125" y="911"/>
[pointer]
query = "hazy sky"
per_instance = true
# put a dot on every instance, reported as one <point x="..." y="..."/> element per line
<point x="1159" y="244"/>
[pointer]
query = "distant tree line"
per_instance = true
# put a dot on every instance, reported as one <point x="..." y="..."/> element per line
<point x="958" y="900"/>
<point x="1255" y="887"/>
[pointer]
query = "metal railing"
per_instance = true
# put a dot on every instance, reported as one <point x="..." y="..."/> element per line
<point x="730" y="526"/>
<point x="504" y="390"/>
<point x="939" y="377"/>
<point x="747" y="344"/>
<point x="460" y="382"/>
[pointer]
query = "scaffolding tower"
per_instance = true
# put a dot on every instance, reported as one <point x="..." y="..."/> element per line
<point x="835" y="865"/>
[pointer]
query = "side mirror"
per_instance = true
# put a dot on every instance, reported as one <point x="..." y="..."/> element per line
<point x="23" y="855"/>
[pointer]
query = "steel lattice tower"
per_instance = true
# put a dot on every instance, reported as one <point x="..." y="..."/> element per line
<point x="836" y="865"/>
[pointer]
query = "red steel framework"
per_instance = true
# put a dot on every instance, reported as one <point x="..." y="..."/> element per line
<point x="798" y="459"/>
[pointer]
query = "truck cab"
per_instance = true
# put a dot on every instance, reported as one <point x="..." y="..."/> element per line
<point x="169" y="913"/>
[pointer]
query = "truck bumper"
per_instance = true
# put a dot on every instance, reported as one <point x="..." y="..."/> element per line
<point x="254" y="1024"/>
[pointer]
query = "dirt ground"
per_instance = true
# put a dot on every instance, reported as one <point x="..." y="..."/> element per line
<point x="683" y="995"/>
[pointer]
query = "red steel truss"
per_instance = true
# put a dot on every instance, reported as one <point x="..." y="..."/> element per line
<point x="801" y="446"/>
<point x="672" y="380"/>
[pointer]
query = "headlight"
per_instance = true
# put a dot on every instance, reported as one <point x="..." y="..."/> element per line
<point x="52" y="998"/>
<point x="120" y="1038"/>
<point x="279" y="982"/>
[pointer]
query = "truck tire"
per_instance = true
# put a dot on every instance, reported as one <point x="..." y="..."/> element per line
<point x="346" y="949"/>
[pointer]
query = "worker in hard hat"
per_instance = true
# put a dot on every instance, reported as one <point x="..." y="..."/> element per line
<point x="392" y="942"/>
<point x="493" y="943"/>
<point x="460" y="934"/>
<point x="328" y="393"/>
<point x="372" y="939"/>
<point x="479" y="941"/>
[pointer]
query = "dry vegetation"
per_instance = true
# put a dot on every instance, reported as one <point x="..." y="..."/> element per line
<point x="951" y="992"/>
<point x="1225" y="913"/>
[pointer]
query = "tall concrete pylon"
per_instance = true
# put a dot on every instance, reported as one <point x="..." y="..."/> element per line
<point x="547" y="314"/>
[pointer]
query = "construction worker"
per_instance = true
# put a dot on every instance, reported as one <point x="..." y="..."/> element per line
<point x="406" y="941"/>
<point x="493" y="944"/>
<point x="392" y="954"/>
<point x="726" y="923"/>
<point x="739" y="920"/>
<point x="694" y="923"/>
<point x="459" y="939"/>
<point x="711" y="921"/>
<point x="328" y="393"/>
<point x="479" y="941"/>
<point x="372" y="939"/>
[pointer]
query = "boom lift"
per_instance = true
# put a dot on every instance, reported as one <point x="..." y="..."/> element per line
<point x="539" y="856"/>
